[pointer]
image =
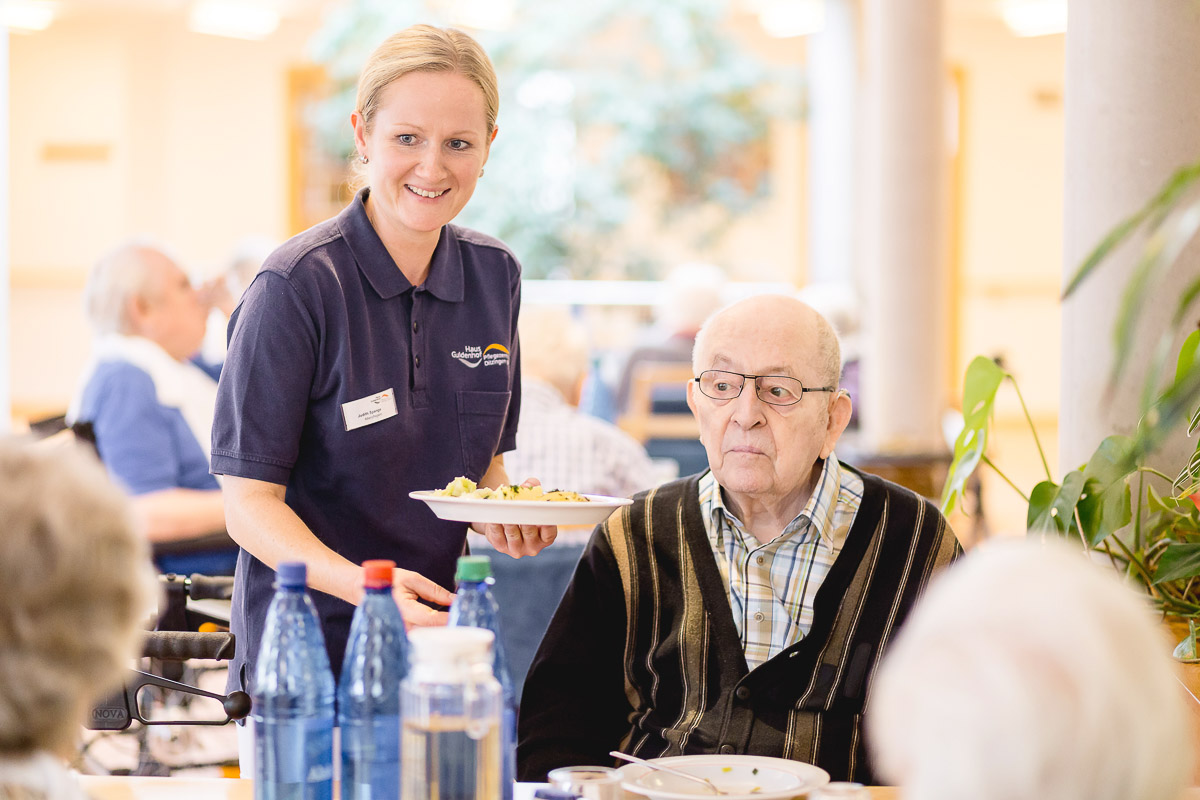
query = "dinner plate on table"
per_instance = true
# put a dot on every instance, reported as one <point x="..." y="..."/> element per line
<point x="738" y="778"/>
<point x="522" y="512"/>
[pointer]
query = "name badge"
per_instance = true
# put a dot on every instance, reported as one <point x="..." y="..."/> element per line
<point x="369" y="410"/>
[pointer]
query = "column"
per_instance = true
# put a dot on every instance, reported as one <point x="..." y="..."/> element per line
<point x="833" y="145"/>
<point x="1132" y="119"/>
<point x="5" y="316"/>
<point x="903" y="238"/>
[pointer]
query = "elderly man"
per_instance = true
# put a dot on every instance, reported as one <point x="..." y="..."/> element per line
<point x="152" y="408"/>
<point x="741" y="610"/>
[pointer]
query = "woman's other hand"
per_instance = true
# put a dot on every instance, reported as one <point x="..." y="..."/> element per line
<point x="519" y="540"/>
<point x="410" y="588"/>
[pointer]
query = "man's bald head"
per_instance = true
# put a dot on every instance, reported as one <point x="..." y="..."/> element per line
<point x="776" y="317"/>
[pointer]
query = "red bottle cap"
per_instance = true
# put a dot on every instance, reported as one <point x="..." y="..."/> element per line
<point x="377" y="573"/>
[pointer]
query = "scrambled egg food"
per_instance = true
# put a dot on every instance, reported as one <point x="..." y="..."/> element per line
<point x="465" y="487"/>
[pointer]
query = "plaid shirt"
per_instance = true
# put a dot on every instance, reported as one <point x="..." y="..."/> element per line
<point x="772" y="586"/>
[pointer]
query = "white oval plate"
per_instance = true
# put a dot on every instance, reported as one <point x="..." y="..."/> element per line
<point x="522" y="512"/>
<point x="777" y="778"/>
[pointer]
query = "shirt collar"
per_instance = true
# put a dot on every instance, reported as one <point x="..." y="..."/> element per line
<point x="445" y="279"/>
<point x="819" y="510"/>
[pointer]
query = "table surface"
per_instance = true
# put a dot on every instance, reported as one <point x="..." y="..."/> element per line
<point x="126" y="788"/>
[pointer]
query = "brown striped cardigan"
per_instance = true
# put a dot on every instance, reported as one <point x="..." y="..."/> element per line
<point x="643" y="656"/>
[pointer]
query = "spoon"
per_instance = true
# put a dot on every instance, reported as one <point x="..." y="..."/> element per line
<point x="678" y="773"/>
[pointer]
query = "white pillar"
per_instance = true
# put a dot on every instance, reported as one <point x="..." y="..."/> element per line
<point x="833" y="145"/>
<point x="1132" y="119"/>
<point x="903" y="238"/>
<point x="5" y="239"/>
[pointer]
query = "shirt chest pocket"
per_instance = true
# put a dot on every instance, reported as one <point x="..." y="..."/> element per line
<point x="481" y="417"/>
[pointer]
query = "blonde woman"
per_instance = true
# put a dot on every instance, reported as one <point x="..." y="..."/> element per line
<point x="376" y="354"/>
<point x="76" y="588"/>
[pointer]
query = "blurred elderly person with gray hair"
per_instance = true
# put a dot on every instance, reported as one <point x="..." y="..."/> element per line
<point x="152" y="408"/>
<point x="1028" y="672"/>
<point x="76" y="588"/>
<point x="564" y="447"/>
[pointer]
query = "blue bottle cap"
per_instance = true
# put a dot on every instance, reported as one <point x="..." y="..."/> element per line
<point x="292" y="573"/>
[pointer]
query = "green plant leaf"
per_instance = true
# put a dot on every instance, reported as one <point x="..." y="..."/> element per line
<point x="1176" y="186"/>
<point x="1158" y="503"/>
<point x="1174" y="406"/>
<point x="1041" y="501"/>
<point x="1187" y="354"/>
<point x="1161" y="251"/>
<point x="982" y="380"/>
<point x="1112" y="461"/>
<point x="1180" y="560"/>
<point x="1052" y="507"/>
<point x="1104" y="511"/>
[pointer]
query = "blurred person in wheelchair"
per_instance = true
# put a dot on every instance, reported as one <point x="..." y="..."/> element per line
<point x="75" y="589"/>
<point x="151" y="406"/>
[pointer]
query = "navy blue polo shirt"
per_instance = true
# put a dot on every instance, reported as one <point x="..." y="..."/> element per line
<point x="351" y="387"/>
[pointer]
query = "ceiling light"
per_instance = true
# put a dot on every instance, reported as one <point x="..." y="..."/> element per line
<point x="26" y="15"/>
<point x="1035" y="17"/>
<point x="783" y="19"/>
<point x="238" y="20"/>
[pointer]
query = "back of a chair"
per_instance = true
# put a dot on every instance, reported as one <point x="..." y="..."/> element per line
<point x="650" y="381"/>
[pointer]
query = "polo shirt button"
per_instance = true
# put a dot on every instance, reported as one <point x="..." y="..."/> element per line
<point x="416" y="361"/>
<point x="759" y="560"/>
<point x="726" y="749"/>
<point x="758" y="616"/>
<point x="415" y="326"/>
<point x="741" y="693"/>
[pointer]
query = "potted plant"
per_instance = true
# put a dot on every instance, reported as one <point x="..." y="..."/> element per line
<point x="1144" y="519"/>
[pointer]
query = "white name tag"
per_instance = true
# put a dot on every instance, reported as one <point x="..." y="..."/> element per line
<point x="368" y="410"/>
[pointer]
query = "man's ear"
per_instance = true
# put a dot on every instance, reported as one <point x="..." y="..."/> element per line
<point x="839" y="417"/>
<point x="137" y="306"/>
<point x="691" y="399"/>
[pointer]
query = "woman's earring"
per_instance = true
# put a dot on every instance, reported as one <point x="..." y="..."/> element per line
<point x="481" y="173"/>
<point x="363" y="159"/>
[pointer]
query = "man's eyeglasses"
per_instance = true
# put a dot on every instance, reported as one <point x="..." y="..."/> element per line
<point x="777" y="390"/>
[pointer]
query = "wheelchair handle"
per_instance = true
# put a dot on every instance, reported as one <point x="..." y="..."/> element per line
<point x="185" y="645"/>
<point x="203" y="587"/>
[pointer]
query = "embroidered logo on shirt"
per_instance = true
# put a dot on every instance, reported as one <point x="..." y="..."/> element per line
<point x="474" y="355"/>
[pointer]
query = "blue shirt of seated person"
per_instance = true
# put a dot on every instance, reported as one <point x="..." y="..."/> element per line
<point x="148" y="447"/>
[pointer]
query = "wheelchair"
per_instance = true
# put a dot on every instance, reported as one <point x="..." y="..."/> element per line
<point x="163" y="698"/>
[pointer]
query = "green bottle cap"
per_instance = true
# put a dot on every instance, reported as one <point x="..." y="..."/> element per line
<point x="473" y="568"/>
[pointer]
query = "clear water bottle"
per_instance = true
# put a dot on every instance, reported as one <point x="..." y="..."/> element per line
<point x="369" y="691"/>
<point x="450" y="715"/>
<point x="475" y="606"/>
<point x="293" y="698"/>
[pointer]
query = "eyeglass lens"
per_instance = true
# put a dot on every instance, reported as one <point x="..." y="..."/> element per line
<point x="774" y="389"/>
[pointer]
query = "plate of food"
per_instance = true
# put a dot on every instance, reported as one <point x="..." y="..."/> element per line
<point x="463" y="501"/>
<point x="735" y="778"/>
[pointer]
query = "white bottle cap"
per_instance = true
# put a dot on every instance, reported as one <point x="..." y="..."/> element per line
<point x="451" y="647"/>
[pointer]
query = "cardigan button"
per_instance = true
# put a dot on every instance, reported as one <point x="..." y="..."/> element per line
<point x="727" y="749"/>
<point x="741" y="693"/>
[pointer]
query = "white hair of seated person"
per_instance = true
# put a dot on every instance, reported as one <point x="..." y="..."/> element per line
<point x="76" y="588"/>
<point x="1028" y="672"/>
<point x="117" y="276"/>
<point x="554" y="348"/>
